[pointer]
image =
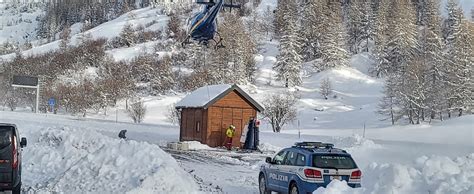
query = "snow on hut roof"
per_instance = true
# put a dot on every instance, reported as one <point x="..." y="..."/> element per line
<point x="205" y="96"/>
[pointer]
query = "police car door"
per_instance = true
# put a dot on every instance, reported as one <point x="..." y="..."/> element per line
<point x="286" y="171"/>
<point x="273" y="170"/>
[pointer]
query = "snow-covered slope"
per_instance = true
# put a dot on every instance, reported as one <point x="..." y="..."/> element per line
<point x="152" y="18"/>
<point x="18" y="24"/>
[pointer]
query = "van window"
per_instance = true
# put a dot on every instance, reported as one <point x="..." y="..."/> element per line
<point x="5" y="137"/>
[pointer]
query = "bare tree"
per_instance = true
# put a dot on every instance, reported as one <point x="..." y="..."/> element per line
<point x="65" y="37"/>
<point x="11" y="101"/>
<point x="325" y="88"/>
<point x="173" y="115"/>
<point x="137" y="111"/>
<point x="279" y="110"/>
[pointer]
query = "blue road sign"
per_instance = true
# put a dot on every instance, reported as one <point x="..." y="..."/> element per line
<point x="51" y="102"/>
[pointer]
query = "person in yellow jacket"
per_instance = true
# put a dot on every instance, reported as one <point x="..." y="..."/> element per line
<point x="230" y="133"/>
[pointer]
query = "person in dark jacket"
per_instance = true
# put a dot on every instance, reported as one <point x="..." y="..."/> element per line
<point x="122" y="134"/>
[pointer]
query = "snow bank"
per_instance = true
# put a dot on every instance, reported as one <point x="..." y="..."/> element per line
<point x="266" y="147"/>
<point x="435" y="174"/>
<point x="84" y="161"/>
<point x="337" y="187"/>
<point x="195" y="145"/>
<point x="355" y="142"/>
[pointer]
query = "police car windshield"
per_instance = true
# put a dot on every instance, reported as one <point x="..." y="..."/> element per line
<point x="333" y="161"/>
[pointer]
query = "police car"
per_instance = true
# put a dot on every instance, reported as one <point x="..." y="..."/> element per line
<point x="307" y="166"/>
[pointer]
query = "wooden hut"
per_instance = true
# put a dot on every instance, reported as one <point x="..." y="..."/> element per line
<point x="207" y="112"/>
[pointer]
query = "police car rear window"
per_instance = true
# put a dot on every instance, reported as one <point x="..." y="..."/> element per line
<point x="333" y="161"/>
<point x="5" y="137"/>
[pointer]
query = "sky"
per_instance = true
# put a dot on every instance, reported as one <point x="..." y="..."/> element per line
<point x="467" y="5"/>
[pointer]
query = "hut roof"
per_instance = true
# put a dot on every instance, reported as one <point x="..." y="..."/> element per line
<point x="207" y="95"/>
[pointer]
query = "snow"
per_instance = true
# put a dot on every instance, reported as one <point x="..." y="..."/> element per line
<point x="106" y="30"/>
<point x="203" y="95"/>
<point x="195" y="145"/>
<point x="16" y="26"/>
<point x="388" y="166"/>
<point x="61" y="159"/>
<point x="434" y="174"/>
<point x="267" y="147"/>
<point x="267" y="4"/>
<point x="135" y="18"/>
<point x="121" y="54"/>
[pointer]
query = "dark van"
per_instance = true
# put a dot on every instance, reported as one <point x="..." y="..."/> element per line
<point x="10" y="158"/>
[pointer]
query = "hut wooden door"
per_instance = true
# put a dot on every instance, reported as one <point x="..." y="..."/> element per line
<point x="197" y="135"/>
<point x="238" y="123"/>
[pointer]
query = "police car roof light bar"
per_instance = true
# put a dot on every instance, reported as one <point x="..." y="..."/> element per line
<point x="313" y="145"/>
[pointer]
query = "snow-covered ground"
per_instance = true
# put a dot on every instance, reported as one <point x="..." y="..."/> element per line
<point x="64" y="151"/>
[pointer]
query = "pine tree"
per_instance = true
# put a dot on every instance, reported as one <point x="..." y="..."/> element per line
<point x="289" y="60"/>
<point x="405" y="89"/>
<point x="333" y="45"/>
<point x="380" y="38"/>
<point x="459" y="66"/>
<point x="430" y="47"/>
<point x="401" y="37"/>
<point x="411" y="90"/>
<point x="279" y="20"/>
<point x="358" y="25"/>
<point x="389" y="104"/>
<point x="128" y="35"/>
<point x="454" y="13"/>
<point x="313" y="29"/>
<point x="325" y="88"/>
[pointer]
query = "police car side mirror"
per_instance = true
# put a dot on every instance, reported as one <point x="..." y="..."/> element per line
<point x="268" y="160"/>
<point x="23" y="142"/>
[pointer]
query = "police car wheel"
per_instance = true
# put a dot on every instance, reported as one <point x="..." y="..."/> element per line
<point x="262" y="186"/>
<point x="293" y="189"/>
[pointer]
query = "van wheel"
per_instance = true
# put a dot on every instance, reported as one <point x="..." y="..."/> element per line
<point x="17" y="189"/>
<point x="262" y="186"/>
<point x="294" y="188"/>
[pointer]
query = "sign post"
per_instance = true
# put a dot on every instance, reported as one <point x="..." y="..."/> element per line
<point x="28" y="82"/>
